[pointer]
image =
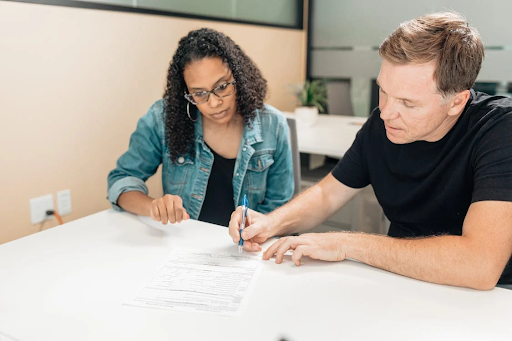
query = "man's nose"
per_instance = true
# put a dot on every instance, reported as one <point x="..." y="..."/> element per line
<point x="389" y="110"/>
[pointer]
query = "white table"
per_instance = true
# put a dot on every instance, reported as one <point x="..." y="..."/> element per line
<point x="69" y="283"/>
<point x="331" y="135"/>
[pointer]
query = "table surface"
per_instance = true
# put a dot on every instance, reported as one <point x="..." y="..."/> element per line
<point x="331" y="135"/>
<point x="70" y="283"/>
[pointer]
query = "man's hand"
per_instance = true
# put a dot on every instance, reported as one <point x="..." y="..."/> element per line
<point x="169" y="208"/>
<point x="258" y="228"/>
<point x="322" y="246"/>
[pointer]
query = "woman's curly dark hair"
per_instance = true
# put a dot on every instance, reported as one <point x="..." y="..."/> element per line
<point x="251" y="87"/>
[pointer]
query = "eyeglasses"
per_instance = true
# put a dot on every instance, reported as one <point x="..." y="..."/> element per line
<point x="201" y="97"/>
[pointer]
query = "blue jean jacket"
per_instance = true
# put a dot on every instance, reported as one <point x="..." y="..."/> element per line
<point x="263" y="168"/>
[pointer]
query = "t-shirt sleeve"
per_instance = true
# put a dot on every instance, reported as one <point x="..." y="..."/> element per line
<point x="493" y="162"/>
<point x="351" y="170"/>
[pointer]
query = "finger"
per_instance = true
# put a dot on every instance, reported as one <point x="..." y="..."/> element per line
<point x="234" y="224"/>
<point x="272" y="249"/>
<point x="253" y="230"/>
<point x="171" y="212"/>
<point x="252" y="246"/>
<point x="301" y="250"/>
<point x="282" y="249"/>
<point x="186" y="215"/>
<point x="261" y="238"/>
<point x="178" y="209"/>
<point x="154" y="213"/>
<point x="163" y="212"/>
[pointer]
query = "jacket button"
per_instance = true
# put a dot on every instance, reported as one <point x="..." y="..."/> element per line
<point x="244" y="149"/>
<point x="181" y="159"/>
<point x="237" y="174"/>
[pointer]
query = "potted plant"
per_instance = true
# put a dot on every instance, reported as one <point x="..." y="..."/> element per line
<point x="312" y="97"/>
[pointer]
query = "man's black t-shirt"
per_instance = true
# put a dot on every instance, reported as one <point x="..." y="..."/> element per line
<point x="426" y="188"/>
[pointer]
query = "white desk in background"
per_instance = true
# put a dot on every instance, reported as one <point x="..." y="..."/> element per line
<point x="70" y="283"/>
<point x="331" y="135"/>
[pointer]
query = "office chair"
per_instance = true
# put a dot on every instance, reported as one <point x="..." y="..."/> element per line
<point x="292" y="124"/>
<point x="339" y="101"/>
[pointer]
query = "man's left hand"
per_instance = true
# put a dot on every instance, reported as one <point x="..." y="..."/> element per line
<point x="322" y="246"/>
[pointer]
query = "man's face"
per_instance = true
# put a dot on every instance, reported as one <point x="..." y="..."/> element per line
<point x="411" y="107"/>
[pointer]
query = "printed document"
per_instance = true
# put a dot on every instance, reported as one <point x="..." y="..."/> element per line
<point x="196" y="281"/>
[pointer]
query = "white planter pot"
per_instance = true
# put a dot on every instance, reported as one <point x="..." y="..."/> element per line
<point x="306" y="116"/>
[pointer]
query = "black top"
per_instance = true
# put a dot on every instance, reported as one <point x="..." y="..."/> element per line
<point x="218" y="203"/>
<point x="426" y="188"/>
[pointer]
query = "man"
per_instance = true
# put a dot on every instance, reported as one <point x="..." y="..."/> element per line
<point x="439" y="157"/>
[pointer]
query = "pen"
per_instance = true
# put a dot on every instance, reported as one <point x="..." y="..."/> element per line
<point x="245" y="208"/>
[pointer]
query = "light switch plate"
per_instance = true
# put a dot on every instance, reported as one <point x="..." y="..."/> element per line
<point x="64" y="202"/>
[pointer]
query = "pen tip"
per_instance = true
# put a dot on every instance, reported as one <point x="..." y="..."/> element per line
<point x="239" y="249"/>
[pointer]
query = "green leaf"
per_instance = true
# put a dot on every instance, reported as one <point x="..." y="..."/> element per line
<point x="313" y="93"/>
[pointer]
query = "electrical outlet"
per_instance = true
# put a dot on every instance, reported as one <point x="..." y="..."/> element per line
<point x="64" y="202"/>
<point x="39" y="206"/>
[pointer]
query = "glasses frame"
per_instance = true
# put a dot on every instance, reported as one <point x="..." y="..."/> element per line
<point x="189" y="97"/>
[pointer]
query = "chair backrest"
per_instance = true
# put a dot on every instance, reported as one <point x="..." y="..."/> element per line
<point x="339" y="101"/>
<point x="292" y="124"/>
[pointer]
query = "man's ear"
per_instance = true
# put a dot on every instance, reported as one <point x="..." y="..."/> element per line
<point x="458" y="102"/>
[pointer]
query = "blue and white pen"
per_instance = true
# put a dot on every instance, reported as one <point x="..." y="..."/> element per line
<point x="245" y="208"/>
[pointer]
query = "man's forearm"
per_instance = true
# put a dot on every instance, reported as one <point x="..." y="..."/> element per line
<point x="312" y="207"/>
<point x="302" y="213"/>
<point x="451" y="260"/>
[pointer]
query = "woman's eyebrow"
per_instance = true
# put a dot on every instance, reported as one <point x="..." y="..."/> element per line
<point x="223" y="78"/>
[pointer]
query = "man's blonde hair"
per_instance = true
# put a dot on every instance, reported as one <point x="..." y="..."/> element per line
<point x="445" y="38"/>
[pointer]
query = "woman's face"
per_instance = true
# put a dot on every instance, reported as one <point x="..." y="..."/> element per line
<point x="206" y="75"/>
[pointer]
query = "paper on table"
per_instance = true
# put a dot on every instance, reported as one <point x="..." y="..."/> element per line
<point x="197" y="281"/>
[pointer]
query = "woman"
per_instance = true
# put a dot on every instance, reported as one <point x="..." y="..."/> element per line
<point x="215" y="138"/>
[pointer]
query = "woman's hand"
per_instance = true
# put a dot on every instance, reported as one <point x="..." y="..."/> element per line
<point x="169" y="208"/>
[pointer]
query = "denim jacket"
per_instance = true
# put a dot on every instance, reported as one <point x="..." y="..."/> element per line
<point x="263" y="168"/>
